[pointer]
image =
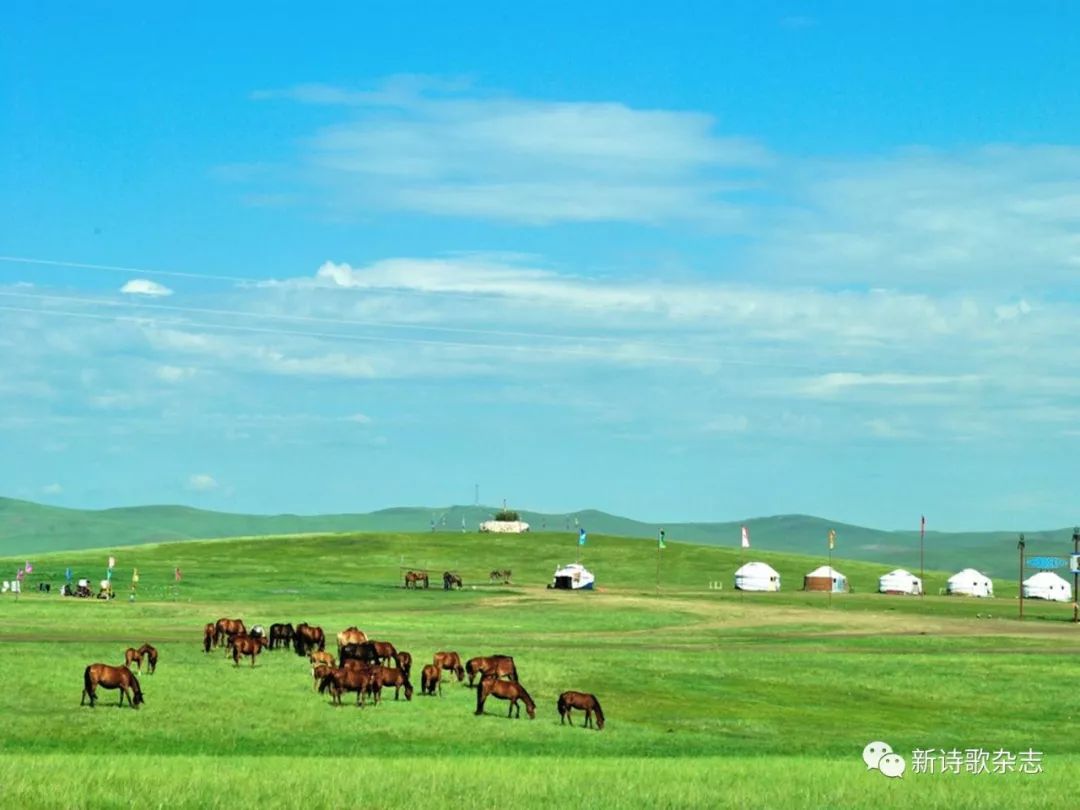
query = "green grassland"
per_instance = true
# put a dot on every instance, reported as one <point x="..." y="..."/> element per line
<point x="713" y="698"/>
<point x="28" y="528"/>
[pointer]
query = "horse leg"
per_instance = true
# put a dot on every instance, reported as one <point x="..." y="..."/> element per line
<point x="588" y="718"/>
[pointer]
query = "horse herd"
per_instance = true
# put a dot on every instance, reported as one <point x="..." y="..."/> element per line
<point x="418" y="579"/>
<point x="362" y="666"/>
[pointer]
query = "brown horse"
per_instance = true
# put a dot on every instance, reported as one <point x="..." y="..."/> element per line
<point x="374" y="686"/>
<point x="133" y="656"/>
<point x="395" y="677"/>
<point x="450" y="580"/>
<point x="505" y="690"/>
<point x="584" y="701"/>
<point x="414" y="578"/>
<point x="150" y="654"/>
<point x="452" y="661"/>
<point x="386" y="652"/>
<point x="321" y="657"/>
<point x="430" y="679"/>
<point x="308" y="637"/>
<point x="225" y="628"/>
<point x="208" y="637"/>
<point x="318" y="672"/>
<point x="497" y="665"/>
<point x="247" y="645"/>
<point x="281" y="635"/>
<point x="109" y="677"/>
<point x="404" y="660"/>
<point x="347" y="679"/>
<point x="501" y="575"/>
<point x="350" y="635"/>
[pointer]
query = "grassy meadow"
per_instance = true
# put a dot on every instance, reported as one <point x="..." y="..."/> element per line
<point x="713" y="698"/>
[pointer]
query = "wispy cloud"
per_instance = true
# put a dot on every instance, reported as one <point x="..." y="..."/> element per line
<point x="201" y="482"/>
<point x="143" y="286"/>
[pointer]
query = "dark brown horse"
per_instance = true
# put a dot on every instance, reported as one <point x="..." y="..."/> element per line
<point x="347" y="679"/>
<point x="501" y="575"/>
<point x="350" y="635"/>
<point x="414" y="578"/>
<point x="150" y="654"/>
<point x="395" y="677"/>
<point x="247" y="645"/>
<point x="404" y="660"/>
<point x="109" y="677"/>
<point x="491" y="686"/>
<point x="449" y="581"/>
<point x="451" y="661"/>
<point x="208" y="637"/>
<point x="225" y="629"/>
<point x="281" y="635"/>
<point x="370" y="652"/>
<point x="374" y="686"/>
<point x="497" y="665"/>
<point x="584" y="701"/>
<point x="308" y="637"/>
<point x="430" y="679"/>
<point x="318" y="672"/>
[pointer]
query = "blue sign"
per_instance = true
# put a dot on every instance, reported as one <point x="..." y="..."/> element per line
<point x="1046" y="563"/>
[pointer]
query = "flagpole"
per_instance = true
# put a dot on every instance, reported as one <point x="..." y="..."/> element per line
<point x="922" y="575"/>
<point x="659" y="551"/>
<point x="831" y="575"/>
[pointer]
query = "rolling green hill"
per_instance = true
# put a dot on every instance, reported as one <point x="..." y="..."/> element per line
<point x="30" y="528"/>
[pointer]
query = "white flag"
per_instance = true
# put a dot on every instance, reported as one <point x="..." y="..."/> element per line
<point x="745" y="537"/>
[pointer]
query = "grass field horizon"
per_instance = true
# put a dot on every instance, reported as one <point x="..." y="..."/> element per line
<point x="714" y="698"/>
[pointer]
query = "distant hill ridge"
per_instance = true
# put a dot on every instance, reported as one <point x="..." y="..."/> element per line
<point x="29" y="528"/>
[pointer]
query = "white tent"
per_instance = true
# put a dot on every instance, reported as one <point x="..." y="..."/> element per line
<point x="970" y="582"/>
<point x="504" y="526"/>
<point x="1047" y="585"/>
<point x="757" y="576"/>
<point x="900" y="581"/>
<point x="825" y="578"/>
<point x="573" y="577"/>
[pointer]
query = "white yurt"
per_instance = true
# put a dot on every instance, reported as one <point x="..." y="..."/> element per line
<point x="1047" y="585"/>
<point x="969" y="582"/>
<point x="573" y="577"/>
<point x="900" y="581"/>
<point x="757" y="576"/>
<point x="825" y="578"/>
<point x="504" y="526"/>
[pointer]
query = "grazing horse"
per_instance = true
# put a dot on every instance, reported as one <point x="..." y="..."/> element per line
<point x="321" y="657"/>
<point x="318" y="672"/>
<point x="246" y="645"/>
<point x="450" y="580"/>
<point x="497" y="665"/>
<point x="395" y="677"/>
<point x="430" y="678"/>
<point x="584" y="701"/>
<point x="348" y="679"/>
<point x="414" y="578"/>
<point x="505" y="690"/>
<point x="150" y="654"/>
<point x="281" y="635"/>
<point x="208" y="637"/>
<point x="225" y="629"/>
<point x="109" y="677"/>
<point x="374" y="687"/>
<point x="132" y="655"/>
<point x="452" y="661"/>
<point x="500" y="575"/>
<point x="404" y="660"/>
<point x="350" y="635"/>
<point x="307" y="638"/>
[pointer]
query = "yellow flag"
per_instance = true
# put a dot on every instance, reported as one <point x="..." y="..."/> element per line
<point x="832" y="539"/>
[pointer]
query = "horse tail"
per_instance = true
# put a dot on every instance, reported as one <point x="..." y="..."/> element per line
<point x="88" y="684"/>
<point x="513" y="670"/>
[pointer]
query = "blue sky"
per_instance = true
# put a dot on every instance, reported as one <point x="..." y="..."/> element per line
<point x="699" y="262"/>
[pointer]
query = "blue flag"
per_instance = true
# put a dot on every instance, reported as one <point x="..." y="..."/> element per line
<point x="581" y="537"/>
<point x="67" y="574"/>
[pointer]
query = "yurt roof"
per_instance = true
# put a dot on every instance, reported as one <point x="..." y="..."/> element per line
<point x="825" y="571"/>
<point x="756" y="569"/>
<point x="1045" y="578"/>
<point x="969" y="574"/>
<point x="899" y="572"/>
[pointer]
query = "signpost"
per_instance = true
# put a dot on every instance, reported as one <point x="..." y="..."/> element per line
<point x="1020" y="547"/>
<point x="1074" y="565"/>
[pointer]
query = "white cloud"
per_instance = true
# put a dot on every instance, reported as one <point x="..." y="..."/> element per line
<point x="201" y="482"/>
<point x="359" y="418"/>
<point x="143" y="286"/>
<point x="524" y="160"/>
<point x="52" y="489"/>
<point x="174" y="374"/>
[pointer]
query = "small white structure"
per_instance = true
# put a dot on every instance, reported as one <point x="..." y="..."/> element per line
<point x="757" y="576"/>
<point x="573" y="577"/>
<point x="826" y="579"/>
<point x="969" y="582"/>
<point x="504" y="526"/>
<point x="900" y="581"/>
<point x="1047" y="585"/>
